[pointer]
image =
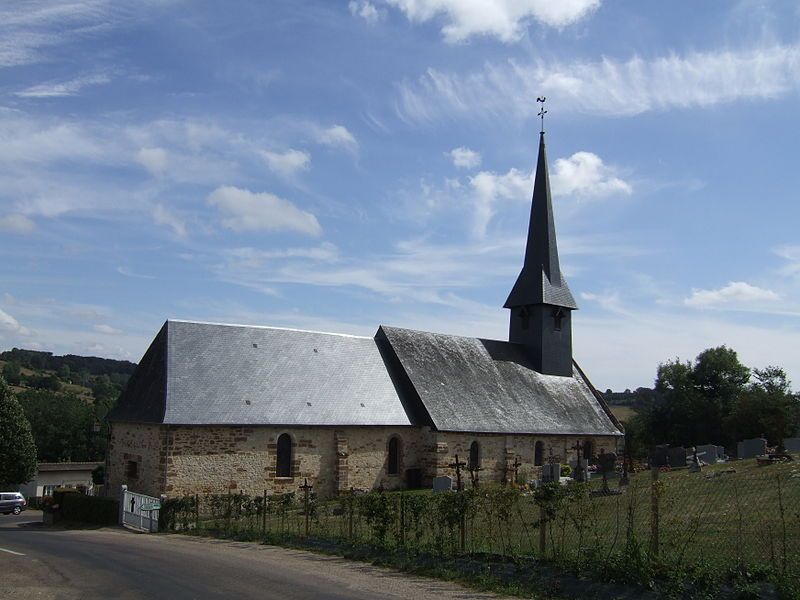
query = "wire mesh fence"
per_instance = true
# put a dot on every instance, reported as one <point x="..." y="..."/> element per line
<point x="725" y="517"/>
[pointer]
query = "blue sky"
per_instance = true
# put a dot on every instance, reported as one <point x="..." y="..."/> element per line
<point x="339" y="165"/>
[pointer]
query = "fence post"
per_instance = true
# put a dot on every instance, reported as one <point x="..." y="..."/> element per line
<point x="196" y="512"/>
<point x="402" y="519"/>
<point x="542" y="531"/>
<point x="122" y="490"/>
<point x="228" y="512"/>
<point x="654" y="512"/>
<point x="350" y="513"/>
<point x="264" y="515"/>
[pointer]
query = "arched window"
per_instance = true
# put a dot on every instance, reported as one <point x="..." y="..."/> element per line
<point x="284" y="465"/>
<point x="538" y="454"/>
<point x="474" y="455"/>
<point x="393" y="468"/>
<point x="587" y="450"/>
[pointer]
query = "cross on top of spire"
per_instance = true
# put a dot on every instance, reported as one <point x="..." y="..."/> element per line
<point x="542" y="112"/>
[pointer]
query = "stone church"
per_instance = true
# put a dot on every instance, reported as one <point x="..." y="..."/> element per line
<point x="215" y="407"/>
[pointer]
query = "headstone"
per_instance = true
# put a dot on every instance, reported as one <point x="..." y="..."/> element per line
<point x="677" y="457"/>
<point x="660" y="456"/>
<point x="708" y="453"/>
<point x="791" y="444"/>
<point x="751" y="448"/>
<point x="581" y="470"/>
<point x="442" y="484"/>
<point x="721" y="456"/>
<point x="551" y="472"/>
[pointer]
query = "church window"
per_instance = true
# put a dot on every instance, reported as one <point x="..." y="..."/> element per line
<point x="393" y="468"/>
<point x="474" y="455"/>
<point x="558" y="316"/>
<point x="587" y="450"/>
<point x="538" y="454"/>
<point x="284" y="463"/>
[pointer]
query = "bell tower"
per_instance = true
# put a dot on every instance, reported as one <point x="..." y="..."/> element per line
<point x="541" y="303"/>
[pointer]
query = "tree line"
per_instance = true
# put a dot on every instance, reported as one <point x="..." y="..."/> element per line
<point x="714" y="399"/>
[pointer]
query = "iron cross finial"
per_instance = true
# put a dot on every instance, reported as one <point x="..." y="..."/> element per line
<point x="542" y="112"/>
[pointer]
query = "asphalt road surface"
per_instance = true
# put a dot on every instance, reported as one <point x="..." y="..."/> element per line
<point x="47" y="563"/>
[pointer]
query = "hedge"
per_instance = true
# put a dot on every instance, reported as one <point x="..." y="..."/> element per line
<point x="89" y="509"/>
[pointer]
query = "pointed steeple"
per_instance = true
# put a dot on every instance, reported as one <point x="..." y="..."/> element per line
<point x="541" y="281"/>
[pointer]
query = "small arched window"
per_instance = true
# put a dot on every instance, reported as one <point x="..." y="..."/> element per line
<point x="284" y="464"/>
<point x="538" y="454"/>
<point x="393" y="468"/>
<point x="587" y="450"/>
<point x="474" y="455"/>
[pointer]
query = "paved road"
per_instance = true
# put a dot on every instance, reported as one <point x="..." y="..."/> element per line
<point x="37" y="562"/>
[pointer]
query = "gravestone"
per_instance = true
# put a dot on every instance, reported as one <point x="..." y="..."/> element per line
<point x="721" y="456"/>
<point x="751" y="448"/>
<point x="581" y="470"/>
<point x="791" y="444"/>
<point x="551" y="472"/>
<point x="660" y="456"/>
<point x="442" y="484"/>
<point x="676" y="457"/>
<point x="709" y="454"/>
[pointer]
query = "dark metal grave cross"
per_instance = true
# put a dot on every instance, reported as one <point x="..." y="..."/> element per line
<point x="306" y="487"/>
<point x="542" y="112"/>
<point x="517" y="464"/>
<point x="578" y="447"/>
<point x="457" y="466"/>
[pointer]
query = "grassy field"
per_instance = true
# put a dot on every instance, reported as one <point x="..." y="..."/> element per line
<point x="719" y="517"/>
<point x="623" y="413"/>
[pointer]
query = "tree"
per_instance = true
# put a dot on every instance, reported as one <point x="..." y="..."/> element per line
<point x="11" y="373"/>
<point x="62" y="426"/>
<point x="17" y="450"/>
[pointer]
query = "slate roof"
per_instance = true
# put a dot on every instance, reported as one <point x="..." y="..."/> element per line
<point x="202" y="373"/>
<point x="210" y="374"/>
<point x="472" y="384"/>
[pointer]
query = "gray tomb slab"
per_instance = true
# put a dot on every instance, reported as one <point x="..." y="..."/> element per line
<point x="721" y="456"/>
<point x="751" y="448"/>
<point x="660" y="456"/>
<point x="442" y="484"/>
<point x="709" y="454"/>
<point x="792" y="444"/>
<point x="677" y="456"/>
<point x="551" y="473"/>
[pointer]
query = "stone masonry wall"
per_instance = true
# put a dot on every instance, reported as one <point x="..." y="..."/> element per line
<point x="215" y="459"/>
<point x="140" y="444"/>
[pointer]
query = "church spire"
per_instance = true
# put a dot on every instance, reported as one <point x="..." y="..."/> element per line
<point x="540" y="301"/>
<point x="541" y="281"/>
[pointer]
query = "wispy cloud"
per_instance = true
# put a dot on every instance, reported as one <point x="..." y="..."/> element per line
<point x="366" y="10"/>
<point x="243" y="210"/>
<point x="735" y="294"/>
<point x="464" y="158"/>
<point x="337" y="136"/>
<point x="9" y="324"/>
<point x="71" y="87"/>
<point x="163" y="216"/>
<point x="605" y="87"/>
<point x="16" y="223"/>
<point x="106" y="329"/>
<point x="505" y="20"/>
<point x="289" y="163"/>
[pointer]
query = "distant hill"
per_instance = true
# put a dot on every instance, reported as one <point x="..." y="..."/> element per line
<point x="625" y="405"/>
<point x="35" y="359"/>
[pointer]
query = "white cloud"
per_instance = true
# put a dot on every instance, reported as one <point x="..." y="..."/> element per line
<point x="585" y="174"/>
<point x="366" y="10"/>
<point x="464" y="158"/>
<point x="791" y="254"/>
<point x="736" y="293"/>
<point x="490" y="187"/>
<point x="9" y="324"/>
<point x="506" y="20"/>
<point x="253" y="257"/>
<point x="337" y="136"/>
<point x="244" y="210"/>
<point x="607" y="86"/>
<point x="162" y="216"/>
<point x="107" y="330"/>
<point x="155" y="160"/>
<point x="64" y="88"/>
<point x="287" y="164"/>
<point x="16" y="223"/>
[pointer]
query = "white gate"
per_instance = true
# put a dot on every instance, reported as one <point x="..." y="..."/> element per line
<point x="138" y="510"/>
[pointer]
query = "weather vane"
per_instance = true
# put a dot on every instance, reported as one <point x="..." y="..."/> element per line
<point x="542" y="112"/>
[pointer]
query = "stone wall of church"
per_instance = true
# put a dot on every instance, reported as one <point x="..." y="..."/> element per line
<point x="498" y="454"/>
<point x="179" y="460"/>
<point x="215" y="459"/>
<point x="136" y="458"/>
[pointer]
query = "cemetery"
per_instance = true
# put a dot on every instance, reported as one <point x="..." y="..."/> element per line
<point x="719" y="519"/>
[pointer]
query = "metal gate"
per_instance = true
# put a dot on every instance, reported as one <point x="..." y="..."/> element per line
<point x="139" y="511"/>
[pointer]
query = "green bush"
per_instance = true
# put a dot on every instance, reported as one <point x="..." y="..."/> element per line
<point x="89" y="509"/>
